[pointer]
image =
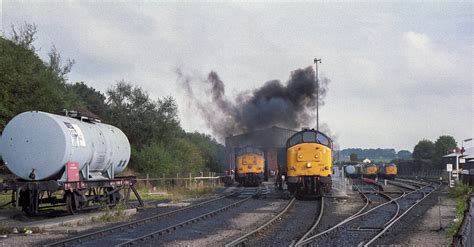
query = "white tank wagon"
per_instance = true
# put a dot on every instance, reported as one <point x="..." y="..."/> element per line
<point x="74" y="154"/>
<point x="39" y="145"/>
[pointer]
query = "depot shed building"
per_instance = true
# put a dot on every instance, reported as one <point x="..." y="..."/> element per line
<point x="272" y="141"/>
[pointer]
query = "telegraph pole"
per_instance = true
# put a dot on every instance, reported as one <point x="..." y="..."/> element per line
<point x="316" y="61"/>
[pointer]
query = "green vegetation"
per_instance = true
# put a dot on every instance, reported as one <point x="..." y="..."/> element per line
<point x="461" y="193"/>
<point x="159" y="144"/>
<point x="430" y="154"/>
<point x="174" y="194"/>
<point x="112" y="215"/>
<point x="374" y="154"/>
<point x="6" y="198"/>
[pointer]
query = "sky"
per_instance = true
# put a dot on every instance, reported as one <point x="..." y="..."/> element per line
<point x="400" y="71"/>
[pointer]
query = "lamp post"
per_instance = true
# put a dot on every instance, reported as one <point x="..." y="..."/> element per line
<point x="316" y="61"/>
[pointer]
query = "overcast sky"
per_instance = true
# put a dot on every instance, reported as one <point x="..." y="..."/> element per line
<point x="399" y="72"/>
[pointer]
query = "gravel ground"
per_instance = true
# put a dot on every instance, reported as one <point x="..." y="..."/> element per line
<point x="224" y="227"/>
<point x="426" y="224"/>
<point x="367" y="226"/>
<point x="291" y="226"/>
<point x="14" y="217"/>
<point x="140" y="230"/>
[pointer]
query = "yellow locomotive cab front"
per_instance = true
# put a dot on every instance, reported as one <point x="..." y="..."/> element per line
<point x="309" y="163"/>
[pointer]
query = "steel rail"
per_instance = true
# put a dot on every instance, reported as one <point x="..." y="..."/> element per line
<point x="241" y="239"/>
<point x="387" y="227"/>
<point x="102" y="232"/>
<point x="316" y="223"/>
<point x="352" y="217"/>
<point x="367" y="202"/>
<point x="187" y="222"/>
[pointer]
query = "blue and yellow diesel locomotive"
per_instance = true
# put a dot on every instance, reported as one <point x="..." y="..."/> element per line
<point x="309" y="163"/>
<point x="250" y="166"/>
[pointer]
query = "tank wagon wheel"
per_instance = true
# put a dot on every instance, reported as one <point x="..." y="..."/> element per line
<point x="71" y="202"/>
<point x="113" y="196"/>
<point x="29" y="202"/>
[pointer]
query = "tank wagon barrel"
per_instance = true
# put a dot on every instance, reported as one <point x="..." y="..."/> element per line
<point x="74" y="154"/>
<point x="39" y="145"/>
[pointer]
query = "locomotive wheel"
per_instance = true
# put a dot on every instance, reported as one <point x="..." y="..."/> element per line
<point x="71" y="204"/>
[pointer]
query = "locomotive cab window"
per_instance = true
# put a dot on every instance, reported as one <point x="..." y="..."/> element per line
<point x="309" y="136"/>
<point x="323" y="140"/>
<point x="295" y="140"/>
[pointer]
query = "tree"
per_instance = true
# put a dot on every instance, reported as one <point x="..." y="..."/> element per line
<point x="424" y="150"/>
<point x="143" y="120"/>
<point x="442" y="147"/>
<point x="94" y="100"/>
<point x="404" y="155"/>
<point x="28" y="83"/>
<point x="353" y="157"/>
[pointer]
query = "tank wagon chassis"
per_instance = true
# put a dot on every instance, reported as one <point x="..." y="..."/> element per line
<point x="76" y="196"/>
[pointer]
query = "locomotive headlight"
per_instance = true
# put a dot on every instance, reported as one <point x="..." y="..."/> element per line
<point x="308" y="165"/>
<point x="300" y="156"/>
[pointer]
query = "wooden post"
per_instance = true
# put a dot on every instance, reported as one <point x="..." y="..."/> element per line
<point x="147" y="182"/>
<point x="190" y="181"/>
<point x="163" y="182"/>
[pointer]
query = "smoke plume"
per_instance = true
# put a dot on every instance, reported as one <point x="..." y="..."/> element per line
<point x="288" y="105"/>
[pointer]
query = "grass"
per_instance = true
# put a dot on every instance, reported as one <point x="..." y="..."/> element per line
<point x="112" y="215"/>
<point x="460" y="193"/>
<point x="5" y="198"/>
<point x="173" y="194"/>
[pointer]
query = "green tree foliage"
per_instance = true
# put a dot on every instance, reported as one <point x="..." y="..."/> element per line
<point x="210" y="149"/>
<point x="159" y="144"/>
<point x="404" y="155"/>
<point x="178" y="156"/>
<point x="353" y="157"/>
<point x="143" y="120"/>
<point x="442" y="146"/>
<point x="424" y="151"/>
<point x="27" y="83"/>
<point x="94" y="101"/>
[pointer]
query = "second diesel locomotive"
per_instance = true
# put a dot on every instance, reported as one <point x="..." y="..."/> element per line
<point x="369" y="170"/>
<point x="387" y="171"/>
<point x="309" y="163"/>
<point x="250" y="166"/>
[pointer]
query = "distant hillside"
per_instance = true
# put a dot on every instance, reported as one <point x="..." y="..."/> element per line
<point x="378" y="154"/>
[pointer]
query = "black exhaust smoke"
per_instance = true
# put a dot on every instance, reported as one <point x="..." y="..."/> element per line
<point x="290" y="105"/>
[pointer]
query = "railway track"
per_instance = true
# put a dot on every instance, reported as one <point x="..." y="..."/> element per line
<point x="366" y="226"/>
<point x="121" y="235"/>
<point x="242" y="239"/>
<point x="312" y="229"/>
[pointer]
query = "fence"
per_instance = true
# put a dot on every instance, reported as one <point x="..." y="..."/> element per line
<point x="208" y="179"/>
<point x="465" y="234"/>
